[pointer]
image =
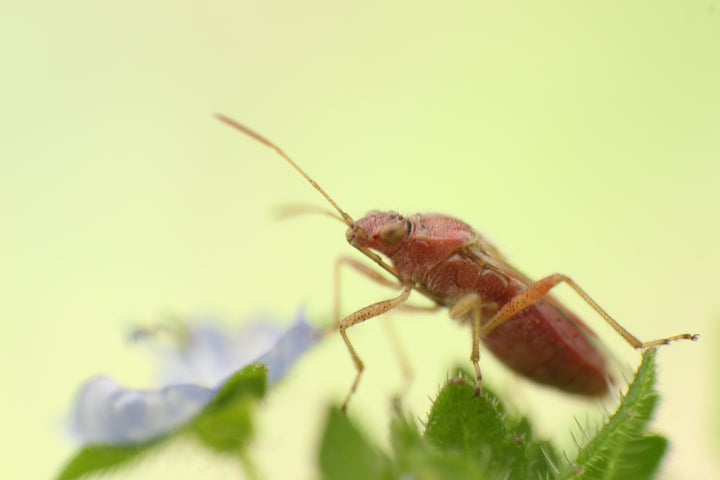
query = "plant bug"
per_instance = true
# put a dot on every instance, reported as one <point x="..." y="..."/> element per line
<point x="449" y="262"/>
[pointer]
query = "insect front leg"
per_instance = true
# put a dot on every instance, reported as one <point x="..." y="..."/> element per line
<point x="376" y="277"/>
<point x="394" y="339"/>
<point x="469" y="309"/>
<point x="363" y="269"/>
<point x="360" y="316"/>
<point x="537" y="290"/>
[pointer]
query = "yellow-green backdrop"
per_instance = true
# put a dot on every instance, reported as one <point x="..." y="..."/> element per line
<point x="582" y="138"/>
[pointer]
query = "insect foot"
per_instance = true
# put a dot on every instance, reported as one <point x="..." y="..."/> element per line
<point x="665" y="341"/>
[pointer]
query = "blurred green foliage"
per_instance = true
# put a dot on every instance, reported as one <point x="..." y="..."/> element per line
<point x="465" y="437"/>
<point x="475" y="437"/>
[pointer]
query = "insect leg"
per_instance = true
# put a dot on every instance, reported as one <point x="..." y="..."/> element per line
<point x="538" y="289"/>
<point x="375" y="276"/>
<point x="401" y="356"/>
<point x="360" y="316"/>
<point x="365" y="270"/>
<point x="469" y="309"/>
<point x="394" y="339"/>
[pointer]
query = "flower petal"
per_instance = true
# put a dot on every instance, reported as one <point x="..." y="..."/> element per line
<point x="210" y="352"/>
<point x="288" y="348"/>
<point x="106" y="413"/>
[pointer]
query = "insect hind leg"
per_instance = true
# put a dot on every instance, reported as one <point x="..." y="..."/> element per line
<point x="665" y="341"/>
<point x="537" y="290"/>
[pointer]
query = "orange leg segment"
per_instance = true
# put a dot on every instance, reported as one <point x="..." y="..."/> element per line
<point x="537" y="290"/>
<point x="469" y="309"/>
<point x="360" y="316"/>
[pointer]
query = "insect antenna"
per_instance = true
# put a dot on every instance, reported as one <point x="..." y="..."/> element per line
<point x="287" y="211"/>
<point x="345" y="217"/>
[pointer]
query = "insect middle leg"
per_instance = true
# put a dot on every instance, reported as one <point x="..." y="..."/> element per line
<point x="360" y="316"/>
<point x="469" y="309"/>
<point x="537" y="290"/>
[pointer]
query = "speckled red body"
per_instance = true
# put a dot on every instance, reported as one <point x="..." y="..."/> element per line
<point x="449" y="260"/>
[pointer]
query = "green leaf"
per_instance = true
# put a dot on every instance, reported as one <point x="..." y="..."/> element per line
<point x="620" y="449"/>
<point x="639" y="458"/>
<point x="479" y="428"/>
<point x="416" y="458"/>
<point x="247" y="382"/>
<point x="345" y="453"/>
<point x="228" y="429"/>
<point x="225" y="424"/>
<point x="101" y="458"/>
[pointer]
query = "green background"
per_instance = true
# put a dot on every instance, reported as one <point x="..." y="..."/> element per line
<point x="582" y="139"/>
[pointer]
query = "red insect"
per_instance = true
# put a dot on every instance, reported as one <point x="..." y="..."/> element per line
<point x="449" y="262"/>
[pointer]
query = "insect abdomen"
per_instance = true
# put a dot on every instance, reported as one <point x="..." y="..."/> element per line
<point x="540" y="344"/>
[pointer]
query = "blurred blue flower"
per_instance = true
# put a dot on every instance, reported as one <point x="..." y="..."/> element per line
<point x="194" y="365"/>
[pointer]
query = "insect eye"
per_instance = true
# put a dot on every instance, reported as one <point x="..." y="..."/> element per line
<point x="392" y="232"/>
